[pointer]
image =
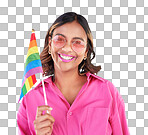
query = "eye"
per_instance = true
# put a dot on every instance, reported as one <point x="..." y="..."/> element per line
<point x="59" y="38"/>
<point x="78" y="42"/>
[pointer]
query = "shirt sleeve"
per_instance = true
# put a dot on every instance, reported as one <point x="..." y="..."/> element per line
<point x="22" y="122"/>
<point x="117" y="114"/>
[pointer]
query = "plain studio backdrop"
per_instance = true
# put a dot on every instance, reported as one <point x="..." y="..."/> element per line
<point x="120" y="36"/>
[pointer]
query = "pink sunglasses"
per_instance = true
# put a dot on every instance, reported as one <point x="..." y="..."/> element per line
<point x="77" y="45"/>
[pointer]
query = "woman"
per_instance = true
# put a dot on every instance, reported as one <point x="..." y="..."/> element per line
<point x="82" y="103"/>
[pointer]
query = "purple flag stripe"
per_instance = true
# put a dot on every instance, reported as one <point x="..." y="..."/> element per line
<point x="32" y="72"/>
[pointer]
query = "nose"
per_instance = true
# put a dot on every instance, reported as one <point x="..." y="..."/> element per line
<point x="67" y="46"/>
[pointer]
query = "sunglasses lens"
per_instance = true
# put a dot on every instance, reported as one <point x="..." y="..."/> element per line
<point x="78" y="45"/>
<point x="59" y="41"/>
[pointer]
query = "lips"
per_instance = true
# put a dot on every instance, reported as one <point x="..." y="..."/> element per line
<point x="67" y="55"/>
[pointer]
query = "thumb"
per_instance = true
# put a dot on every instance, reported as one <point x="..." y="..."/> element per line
<point x="49" y="110"/>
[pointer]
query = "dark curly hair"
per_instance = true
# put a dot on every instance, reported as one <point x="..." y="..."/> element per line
<point x="86" y="65"/>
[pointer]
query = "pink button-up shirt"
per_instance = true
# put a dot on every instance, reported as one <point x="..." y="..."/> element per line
<point x="98" y="109"/>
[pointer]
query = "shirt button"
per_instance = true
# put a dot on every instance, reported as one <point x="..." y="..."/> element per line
<point x="70" y="113"/>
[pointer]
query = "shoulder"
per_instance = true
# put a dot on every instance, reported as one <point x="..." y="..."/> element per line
<point x="106" y="83"/>
<point x="111" y="89"/>
<point x="116" y="98"/>
<point x="103" y="80"/>
<point x="112" y="94"/>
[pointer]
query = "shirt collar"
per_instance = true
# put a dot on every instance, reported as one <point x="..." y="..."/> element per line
<point x="88" y="74"/>
<point x="95" y="76"/>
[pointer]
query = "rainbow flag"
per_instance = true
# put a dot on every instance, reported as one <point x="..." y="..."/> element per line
<point x="32" y="66"/>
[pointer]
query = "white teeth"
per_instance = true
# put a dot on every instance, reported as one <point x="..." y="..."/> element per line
<point x="66" y="57"/>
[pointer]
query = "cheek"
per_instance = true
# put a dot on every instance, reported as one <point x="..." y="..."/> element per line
<point x="80" y="58"/>
<point x="53" y="49"/>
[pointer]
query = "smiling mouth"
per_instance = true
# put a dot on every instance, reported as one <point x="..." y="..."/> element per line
<point x="65" y="58"/>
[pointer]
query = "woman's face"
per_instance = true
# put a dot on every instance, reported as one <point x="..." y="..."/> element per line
<point x="68" y="32"/>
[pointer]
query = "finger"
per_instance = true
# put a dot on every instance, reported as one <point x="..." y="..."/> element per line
<point x="45" y="117"/>
<point x="44" y="124"/>
<point x="40" y="109"/>
<point x="49" y="111"/>
<point x="44" y="130"/>
<point x="48" y="133"/>
<point x="52" y="127"/>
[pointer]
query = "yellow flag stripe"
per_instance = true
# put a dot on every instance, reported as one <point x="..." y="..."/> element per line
<point x="27" y="85"/>
<point x="31" y="51"/>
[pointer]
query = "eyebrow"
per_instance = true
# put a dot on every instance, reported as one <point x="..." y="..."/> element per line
<point x="72" y="38"/>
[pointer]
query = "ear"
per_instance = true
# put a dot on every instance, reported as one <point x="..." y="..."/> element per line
<point x="49" y="40"/>
<point x="49" y="43"/>
<point x="86" y="53"/>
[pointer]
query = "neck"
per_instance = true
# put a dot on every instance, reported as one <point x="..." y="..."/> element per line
<point x="66" y="80"/>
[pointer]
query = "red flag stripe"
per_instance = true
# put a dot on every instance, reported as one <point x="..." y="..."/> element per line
<point x="33" y="79"/>
<point x="32" y="37"/>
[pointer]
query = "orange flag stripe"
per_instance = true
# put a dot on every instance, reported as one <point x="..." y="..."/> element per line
<point x="30" y="81"/>
<point x="32" y="44"/>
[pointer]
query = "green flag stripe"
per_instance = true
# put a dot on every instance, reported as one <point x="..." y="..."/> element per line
<point x="24" y="89"/>
<point x="32" y="57"/>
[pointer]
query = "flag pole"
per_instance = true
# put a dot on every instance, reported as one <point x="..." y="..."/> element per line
<point x="44" y="91"/>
